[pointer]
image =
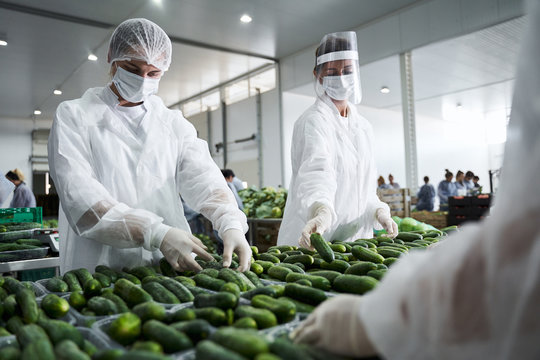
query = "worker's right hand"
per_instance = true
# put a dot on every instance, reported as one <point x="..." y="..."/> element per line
<point x="321" y="221"/>
<point x="234" y="240"/>
<point x="177" y="246"/>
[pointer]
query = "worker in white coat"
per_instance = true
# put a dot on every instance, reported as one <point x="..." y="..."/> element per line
<point x="119" y="159"/>
<point x="476" y="295"/>
<point x="333" y="188"/>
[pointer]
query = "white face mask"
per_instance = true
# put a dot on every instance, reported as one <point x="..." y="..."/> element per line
<point x="339" y="87"/>
<point x="132" y="87"/>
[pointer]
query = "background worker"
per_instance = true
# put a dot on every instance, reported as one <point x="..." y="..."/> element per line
<point x="22" y="195"/>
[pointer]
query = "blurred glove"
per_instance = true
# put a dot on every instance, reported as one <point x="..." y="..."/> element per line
<point x="336" y="326"/>
<point x="234" y="240"/>
<point x="177" y="246"/>
<point x="383" y="217"/>
<point x="322" y="219"/>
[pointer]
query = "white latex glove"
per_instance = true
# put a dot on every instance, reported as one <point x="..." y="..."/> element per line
<point x="321" y="220"/>
<point x="336" y="326"/>
<point x="234" y="240"/>
<point x="384" y="218"/>
<point x="177" y="246"/>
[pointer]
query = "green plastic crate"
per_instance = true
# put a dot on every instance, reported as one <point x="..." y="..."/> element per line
<point x="37" y="274"/>
<point x="21" y="215"/>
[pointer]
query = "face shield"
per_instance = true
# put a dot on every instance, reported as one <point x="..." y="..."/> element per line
<point x="336" y="68"/>
<point x="140" y="39"/>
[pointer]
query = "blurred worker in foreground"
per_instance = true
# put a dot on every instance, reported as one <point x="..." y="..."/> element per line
<point x="476" y="295"/>
<point x="119" y="158"/>
<point x="446" y="188"/>
<point x="332" y="191"/>
<point x="22" y="195"/>
<point x="426" y="196"/>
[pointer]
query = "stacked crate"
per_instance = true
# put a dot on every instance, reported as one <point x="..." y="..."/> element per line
<point x="399" y="201"/>
<point x="468" y="208"/>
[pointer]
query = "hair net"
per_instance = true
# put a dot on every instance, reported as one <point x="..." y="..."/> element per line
<point x="140" y="39"/>
<point x="344" y="79"/>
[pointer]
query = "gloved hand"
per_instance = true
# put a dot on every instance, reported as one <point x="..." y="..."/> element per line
<point x="321" y="220"/>
<point x="383" y="217"/>
<point x="336" y="326"/>
<point x="177" y="246"/>
<point x="234" y="240"/>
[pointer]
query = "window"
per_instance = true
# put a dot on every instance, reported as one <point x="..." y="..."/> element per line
<point x="264" y="81"/>
<point x="236" y="92"/>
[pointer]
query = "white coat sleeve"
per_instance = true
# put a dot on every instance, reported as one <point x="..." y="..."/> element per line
<point x="477" y="295"/>
<point x="90" y="209"/>
<point x="316" y="177"/>
<point x="204" y="188"/>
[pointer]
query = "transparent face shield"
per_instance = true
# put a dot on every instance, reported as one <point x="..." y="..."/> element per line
<point x="337" y="72"/>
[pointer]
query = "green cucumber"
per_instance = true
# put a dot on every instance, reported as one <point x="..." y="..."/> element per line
<point x="336" y="265"/>
<point x="354" y="284"/>
<point x="305" y="294"/>
<point x="222" y="300"/>
<point x="264" y="318"/>
<point x="361" y="268"/>
<point x="149" y="311"/>
<point x="366" y="255"/>
<point x="284" y="310"/>
<point x="209" y="350"/>
<point x="318" y="282"/>
<point x="245" y="342"/>
<point x="56" y="284"/>
<point x="322" y="247"/>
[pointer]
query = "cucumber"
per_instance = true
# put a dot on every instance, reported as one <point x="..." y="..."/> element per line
<point x="121" y="305"/>
<point x="366" y="255"/>
<point x="361" y="268"/>
<point x="73" y="282"/>
<point x="382" y="267"/>
<point x="267" y="257"/>
<point x="305" y="294"/>
<point x="256" y="268"/>
<point x="281" y="257"/>
<point x="307" y="251"/>
<point x="209" y="282"/>
<point x="68" y="350"/>
<point x="246" y="323"/>
<point x="39" y="349"/>
<point x="56" y="284"/>
<point x="3" y="294"/>
<point x="267" y="290"/>
<point x="10" y="352"/>
<point x="239" y="278"/>
<point x="403" y="248"/>
<point x="83" y="275"/>
<point x="196" y="330"/>
<point x="89" y="348"/>
<point x="149" y="311"/>
<point x="322" y="247"/>
<point x="132" y="278"/>
<point x="264" y="318"/>
<point x="377" y="274"/>
<point x="264" y="264"/>
<point x="150" y="346"/>
<point x="179" y="290"/>
<point x="194" y="290"/>
<point x="185" y="280"/>
<point x="347" y="247"/>
<point x="210" y="272"/>
<point x="318" y="282"/>
<point x="28" y="305"/>
<point x="103" y="279"/>
<point x="330" y="275"/>
<point x="130" y="293"/>
<point x="107" y="271"/>
<point x="159" y="293"/>
<point x="354" y="284"/>
<point x="214" y="316"/>
<point x="408" y="236"/>
<point x="305" y="282"/>
<point x="287" y="350"/>
<point x="294" y="267"/>
<point x="340" y="248"/>
<point x="29" y="333"/>
<point x="11" y="307"/>
<point x="389" y="261"/>
<point x="54" y="306"/>
<point x="222" y="300"/>
<point x="305" y="260"/>
<point x="301" y="307"/>
<point x="125" y="329"/>
<point x="166" y="268"/>
<point x="12" y="285"/>
<point x="101" y="306"/>
<point x="387" y="252"/>
<point x="77" y="300"/>
<point x="142" y="271"/>
<point x="336" y="265"/>
<point x="108" y="354"/>
<point x="209" y="350"/>
<point x="293" y="252"/>
<point x="279" y="272"/>
<point x="91" y="288"/>
<point x="171" y="339"/>
<point x="231" y="288"/>
<point x="4" y="332"/>
<point x="14" y="324"/>
<point x="284" y="310"/>
<point x="245" y="342"/>
<point x="58" y="330"/>
<point x="253" y="278"/>
<point x="184" y="314"/>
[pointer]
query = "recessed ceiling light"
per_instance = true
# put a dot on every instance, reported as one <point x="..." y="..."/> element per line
<point x="246" y="18"/>
<point x="157" y="2"/>
<point x="92" y="57"/>
<point x="459" y="106"/>
<point x="385" y="90"/>
<point x="37" y="112"/>
<point x="57" y="92"/>
<point x="3" y="43"/>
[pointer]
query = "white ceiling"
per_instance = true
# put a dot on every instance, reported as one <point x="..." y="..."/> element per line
<point x="476" y="70"/>
<point x="49" y="41"/>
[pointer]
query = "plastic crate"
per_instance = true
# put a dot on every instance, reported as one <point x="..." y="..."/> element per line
<point x="21" y="215"/>
<point x="37" y="274"/>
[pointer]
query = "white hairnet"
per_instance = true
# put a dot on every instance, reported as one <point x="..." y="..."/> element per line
<point x="333" y="48"/>
<point x="141" y="39"/>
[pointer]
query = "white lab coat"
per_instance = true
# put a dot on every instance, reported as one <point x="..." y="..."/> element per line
<point x="333" y="164"/>
<point x="6" y="187"/>
<point x="117" y="189"/>
<point x="477" y="295"/>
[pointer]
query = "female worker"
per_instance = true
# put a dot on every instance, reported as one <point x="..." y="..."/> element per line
<point x="22" y="195"/>
<point x="475" y="296"/>
<point x="333" y="189"/>
<point x="119" y="158"/>
<point x="445" y="189"/>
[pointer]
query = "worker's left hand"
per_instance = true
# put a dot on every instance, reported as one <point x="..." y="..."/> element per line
<point x="336" y="326"/>
<point x="384" y="218"/>
<point x="234" y="240"/>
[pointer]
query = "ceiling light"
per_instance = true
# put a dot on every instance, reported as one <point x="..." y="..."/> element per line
<point x="385" y="90"/>
<point x="459" y="106"/>
<point x="157" y="2"/>
<point x="37" y="112"/>
<point x="3" y="43"/>
<point x="57" y="92"/>
<point x="246" y="18"/>
<point x="92" y="57"/>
